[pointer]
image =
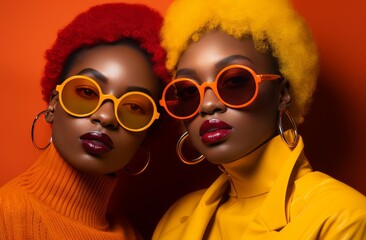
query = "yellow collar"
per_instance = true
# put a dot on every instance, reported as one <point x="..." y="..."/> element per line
<point x="272" y="214"/>
<point x="255" y="174"/>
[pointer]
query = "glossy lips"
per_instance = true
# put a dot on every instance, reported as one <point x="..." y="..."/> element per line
<point x="214" y="130"/>
<point x="96" y="143"/>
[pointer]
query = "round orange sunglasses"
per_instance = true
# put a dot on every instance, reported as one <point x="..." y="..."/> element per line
<point x="81" y="96"/>
<point x="236" y="86"/>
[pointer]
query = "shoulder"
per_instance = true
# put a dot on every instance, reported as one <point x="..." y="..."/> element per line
<point x="15" y="206"/>
<point x="185" y="205"/>
<point x="11" y="190"/>
<point x="329" y="202"/>
<point x="179" y="212"/>
<point x="319" y="187"/>
<point x="13" y="200"/>
<point x="8" y="192"/>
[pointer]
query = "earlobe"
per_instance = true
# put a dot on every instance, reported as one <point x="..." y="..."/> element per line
<point x="285" y="97"/>
<point x="51" y="107"/>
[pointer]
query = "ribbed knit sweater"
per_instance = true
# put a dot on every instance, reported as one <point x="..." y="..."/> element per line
<point x="53" y="200"/>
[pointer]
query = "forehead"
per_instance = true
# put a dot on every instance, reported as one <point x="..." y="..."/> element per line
<point x="217" y="45"/>
<point x="122" y="65"/>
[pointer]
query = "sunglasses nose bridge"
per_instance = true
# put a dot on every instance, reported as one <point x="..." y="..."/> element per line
<point x="108" y="97"/>
<point x="212" y="102"/>
<point x="208" y="85"/>
<point x="106" y="115"/>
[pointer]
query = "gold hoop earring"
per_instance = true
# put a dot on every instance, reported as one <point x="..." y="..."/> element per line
<point x="294" y="129"/>
<point x="180" y="155"/>
<point x="147" y="152"/>
<point x="44" y="112"/>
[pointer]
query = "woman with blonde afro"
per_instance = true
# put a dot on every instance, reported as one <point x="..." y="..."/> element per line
<point x="244" y="75"/>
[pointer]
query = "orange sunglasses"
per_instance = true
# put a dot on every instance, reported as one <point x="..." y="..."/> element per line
<point x="81" y="96"/>
<point x="236" y="86"/>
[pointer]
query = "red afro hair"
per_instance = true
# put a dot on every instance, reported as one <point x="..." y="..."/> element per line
<point x="106" y="23"/>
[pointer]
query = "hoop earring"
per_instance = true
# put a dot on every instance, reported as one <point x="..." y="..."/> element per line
<point x="44" y="112"/>
<point x="294" y="129"/>
<point x="180" y="154"/>
<point x="143" y="168"/>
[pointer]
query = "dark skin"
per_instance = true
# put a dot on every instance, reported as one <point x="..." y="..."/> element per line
<point x="117" y="69"/>
<point x="251" y="126"/>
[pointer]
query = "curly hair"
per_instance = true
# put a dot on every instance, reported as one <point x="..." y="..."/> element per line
<point x="272" y="24"/>
<point x="106" y="23"/>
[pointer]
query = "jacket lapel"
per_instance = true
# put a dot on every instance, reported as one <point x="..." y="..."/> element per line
<point x="273" y="215"/>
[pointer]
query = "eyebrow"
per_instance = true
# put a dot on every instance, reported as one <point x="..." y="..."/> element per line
<point x="220" y="65"/>
<point x="98" y="75"/>
<point x="138" y="89"/>
<point x="185" y="72"/>
<point x="227" y="61"/>
<point x="94" y="74"/>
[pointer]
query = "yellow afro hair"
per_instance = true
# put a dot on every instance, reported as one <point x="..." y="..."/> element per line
<point x="268" y="22"/>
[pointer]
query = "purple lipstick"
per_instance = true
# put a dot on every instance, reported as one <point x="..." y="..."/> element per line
<point x="96" y="143"/>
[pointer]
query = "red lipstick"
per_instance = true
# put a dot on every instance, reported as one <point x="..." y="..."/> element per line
<point x="96" y="143"/>
<point x="214" y="130"/>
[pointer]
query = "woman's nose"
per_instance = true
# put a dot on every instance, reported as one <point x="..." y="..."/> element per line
<point x="211" y="104"/>
<point x="105" y="116"/>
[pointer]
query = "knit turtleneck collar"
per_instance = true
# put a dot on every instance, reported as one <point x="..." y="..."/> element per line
<point x="265" y="164"/>
<point x="67" y="191"/>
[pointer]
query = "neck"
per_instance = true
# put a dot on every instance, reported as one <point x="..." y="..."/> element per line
<point x="254" y="174"/>
<point x="68" y="191"/>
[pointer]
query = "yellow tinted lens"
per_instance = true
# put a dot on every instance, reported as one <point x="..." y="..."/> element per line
<point x="80" y="96"/>
<point x="135" y="111"/>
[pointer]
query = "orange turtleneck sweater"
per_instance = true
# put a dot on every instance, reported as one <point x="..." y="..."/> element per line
<point x="53" y="200"/>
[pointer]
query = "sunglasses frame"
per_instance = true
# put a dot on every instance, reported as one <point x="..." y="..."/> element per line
<point x="103" y="97"/>
<point x="213" y="85"/>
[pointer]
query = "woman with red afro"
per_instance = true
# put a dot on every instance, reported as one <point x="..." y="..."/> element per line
<point x="101" y="81"/>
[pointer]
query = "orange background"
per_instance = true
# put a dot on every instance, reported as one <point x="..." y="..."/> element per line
<point x="334" y="131"/>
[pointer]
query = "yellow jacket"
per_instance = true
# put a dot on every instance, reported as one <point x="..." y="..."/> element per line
<point x="300" y="204"/>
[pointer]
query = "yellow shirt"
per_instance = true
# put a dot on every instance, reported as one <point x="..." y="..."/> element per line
<point x="284" y="199"/>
